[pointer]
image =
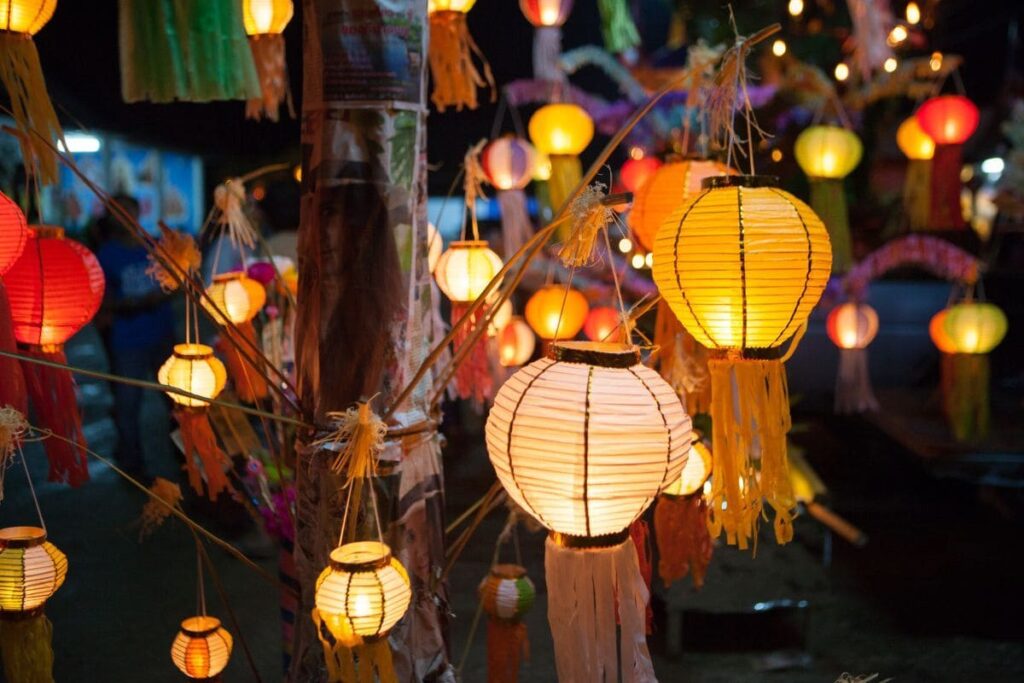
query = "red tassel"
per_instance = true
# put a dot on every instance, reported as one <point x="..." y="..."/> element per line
<point x="640" y="534"/>
<point x="12" y="381"/>
<point x="199" y="440"/>
<point x="52" y="391"/>
<point x="684" y="544"/>
<point x="507" y="646"/>
<point x="945" y="189"/>
<point x="473" y="377"/>
<point x="248" y="380"/>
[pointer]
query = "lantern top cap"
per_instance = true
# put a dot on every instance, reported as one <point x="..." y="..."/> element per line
<point x="22" y="537"/>
<point x="200" y="627"/>
<point x="47" y="231"/>
<point x="192" y="351"/>
<point x="720" y="181"/>
<point x="601" y="354"/>
<point x="469" y="244"/>
<point x="361" y="556"/>
<point x="508" y="571"/>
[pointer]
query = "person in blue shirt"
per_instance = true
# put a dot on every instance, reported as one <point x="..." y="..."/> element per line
<point x="141" y="333"/>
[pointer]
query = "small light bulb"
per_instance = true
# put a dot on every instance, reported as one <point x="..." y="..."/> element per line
<point x="936" y="61"/>
<point x="779" y="48"/>
<point x="890" y="65"/>
<point x="636" y="153"/>
<point x="842" y="71"/>
<point x="776" y="155"/>
<point x="796" y="8"/>
<point x="913" y="13"/>
<point x="625" y="245"/>
<point x="637" y="261"/>
<point x="649" y="259"/>
<point x="897" y="35"/>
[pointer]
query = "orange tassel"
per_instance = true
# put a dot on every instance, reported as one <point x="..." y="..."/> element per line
<point x="199" y="440"/>
<point x="249" y="383"/>
<point x="507" y="646"/>
<point x="684" y="544"/>
<point x="682" y="361"/>
<point x="473" y="378"/>
<point x="269" y="56"/>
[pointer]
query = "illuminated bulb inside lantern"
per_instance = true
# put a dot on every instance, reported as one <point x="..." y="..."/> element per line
<point x="625" y="245"/>
<point x="890" y="65"/>
<point x="361" y="606"/>
<point x="842" y="71"/>
<point x="970" y="339"/>
<point x="262" y="14"/>
<point x="913" y="13"/>
<point x="779" y="48"/>
<point x="549" y="11"/>
<point x="796" y="7"/>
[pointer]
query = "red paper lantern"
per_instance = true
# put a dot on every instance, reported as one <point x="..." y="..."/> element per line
<point x="948" y="119"/>
<point x="13" y="233"/>
<point x="542" y="13"/>
<point x="603" y="324"/>
<point x="635" y="172"/>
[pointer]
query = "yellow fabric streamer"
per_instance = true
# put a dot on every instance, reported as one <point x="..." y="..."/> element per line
<point x="589" y="217"/>
<point x="456" y="77"/>
<point x="26" y="645"/>
<point x="34" y="117"/>
<point x="354" y="660"/>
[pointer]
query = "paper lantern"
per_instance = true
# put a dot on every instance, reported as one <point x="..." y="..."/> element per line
<point x="664" y="191"/>
<point x="851" y="327"/>
<point x="547" y="17"/>
<point x="202" y="648"/>
<point x="31" y="571"/>
<point x="543" y="13"/>
<point x="193" y="368"/>
<point x="265" y="21"/>
<point x="562" y="132"/>
<point x="266" y="16"/>
<point x="694" y="473"/>
<point x="919" y="149"/>
<point x="970" y="330"/>
<point x="913" y="141"/>
<point x="937" y="331"/>
<point x="550" y="318"/>
<point x="13" y="233"/>
<point x="741" y="265"/>
<point x="949" y="120"/>
<point x="508" y="164"/>
<point x="975" y="327"/>
<point x="455" y="75"/>
<point x="363" y="591"/>
<point x="516" y="343"/>
<point x="604" y="323"/>
<point x="236" y="296"/>
<point x="506" y="594"/>
<point x="635" y="172"/>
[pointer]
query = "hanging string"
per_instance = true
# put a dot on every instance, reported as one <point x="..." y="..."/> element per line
<point x="623" y="315"/>
<point x="200" y="590"/>
<point x="31" y="488"/>
<point x="472" y="185"/>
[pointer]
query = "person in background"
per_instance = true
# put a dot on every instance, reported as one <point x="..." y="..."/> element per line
<point x="141" y="332"/>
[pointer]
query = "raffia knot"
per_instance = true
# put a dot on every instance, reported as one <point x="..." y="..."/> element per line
<point x="589" y="217"/>
<point x="363" y="433"/>
<point x="13" y="426"/>
<point x="228" y="199"/>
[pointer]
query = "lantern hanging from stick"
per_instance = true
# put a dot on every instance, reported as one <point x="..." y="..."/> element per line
<point x="452" y="52"/>
<point x="557" y="312"/>
<point x="13" y="236"/>
<point x="562" y="132"/>
<point x="919" y="150"/>
<point x="507" y="164"/>
<point x="681" y="522"/>
<point x="234" y="299"/>
<point x="583" y="440"/>
<point x="851" y="327"/>
<point x="202" y="648"/>
<point x="547" y="17"/>
<point x="741" y="265"/>
<point x="949" y="120"/>
<point x="31" y="571"/>
<point x="973" y="329"/>
<point x="22" y="77"/>
<point x="827" y="154"/>
<point x="636" y="171"/>
<point x="265" y="21"/>
<point x="506" y="595"/>
<point x="516" y="342"/>
<point x="55" y="287"/>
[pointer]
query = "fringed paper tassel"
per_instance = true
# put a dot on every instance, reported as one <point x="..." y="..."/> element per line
<point x="547" y="51"/>
<point x="853" y="383"/>
<point x="269" y="55"/>
<point x="456" y="77"/>
<point x="516" y="228"/>
<point x="682" y="362"/>
<point x="969" y="411"/>
<point x="358" y="661"/>
<point x="566" y="174"/>
<point x="52" y="392"/>
<point x="507" y="646"/>
<point x="681" y="533"/>
<point x="617" y="27"/>
<point x="12" y="380"/>
<point x="945" y="189"/>
<point x="200" y="442"/>
<point x="749" y="412"/>
<point x="585" y="587"/>
<point x="34" y="117"/>
<point x="917" y="201"/>
<point x="250" y="386"/>
<point x="473" y="376"/>
<point x="828" y="199"/>
<point x="26" y="645"/>
<point x="640" y="533"/>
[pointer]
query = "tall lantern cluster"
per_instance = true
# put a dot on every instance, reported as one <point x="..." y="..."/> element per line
<point x="508" y="164"/>
<point x="547" y="17"/>
<point x="265" y="21"/>
<point x="562" y="132"/>
<point x="919" y="150"/>
<point x="851" y="327"/>
<point x="949" y="120"/>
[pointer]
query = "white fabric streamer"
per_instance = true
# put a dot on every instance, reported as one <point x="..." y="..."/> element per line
<point x="583" y="589"/>
<point x="516" y="229"/>
<point x="547" y="51"/>
<point x="853" y="383"/>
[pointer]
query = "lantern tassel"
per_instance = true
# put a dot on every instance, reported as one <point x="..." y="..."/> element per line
<point x="749" y="410"/>
<point x="682" y="362"/>
<point x="828" y="199"/>
<point x="516" y="229"/>
<point x="916" y="189"/>
<point x="199" y="441"/>
<point x="853" y="383"/>
<point x="547" y="52"/>
<point x="26" y="645"/>
<point x="617" y="26"/>
<point x="473" y="378"/>
<point x="584" y="589"/>
<point x="944" y="192"/>
<point x="566" y="174"/>
<point x="969" y="411"/>
<point x="34" y="117"/>
<point x="681" y="533"/>
<point x="250" y="385"/>
<point x="52" y="391"/>
<point x="456" y="77"/>
<point x="507" y="645"/>
<point x="272" y="68"/>
<point x="358" y="661"/>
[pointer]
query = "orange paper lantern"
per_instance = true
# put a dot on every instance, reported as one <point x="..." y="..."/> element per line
<point x="550" y="319"/>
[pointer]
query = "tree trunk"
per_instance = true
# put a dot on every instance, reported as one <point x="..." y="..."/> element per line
<point x="362" y="325"/>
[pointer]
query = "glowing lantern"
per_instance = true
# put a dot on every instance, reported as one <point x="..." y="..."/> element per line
<point x="550" y="319"/>
<point x="508" y="165"/>
<point x="262" y="17"/>
<point x="506" y="595"/>
<point x="547" y="17"/>
<point x="202" y="648"/>
<point x="543" y="13"/>
<point x="913" y="141"/>
<point x="635" y="172"/>
<point x="604" y="323"/>
<point x="13" y="233"/>
<point x="265" y="21"/>
<point x="694" y="473"/>
<point x="919" y="149"/>
<point x="974" y="327"/>
<point x="851" y="327"/>
<point x="583" y="441"/>
<point x="949" y="120"/>
<point x="937" y="331"/>
<point x="236" y="296"/>
<point x="193" y="368"/>
<point x="451" y="56"/>
<point x="741" y="265"/>
<point x="31" y="571"/>
<point x="562" y="132"/>
<point x="516" y="343"/>
<point x="827" y="154"/>
<point x="681" y="522"/>
<point x="665" y="190"/>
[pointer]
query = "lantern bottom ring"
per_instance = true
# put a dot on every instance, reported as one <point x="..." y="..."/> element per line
<point x="719" y="181"/>
<point x="42" y="348"/>
<point x="769" y="353"/>
<point x="589" y="542"/>
<point x="21" y="615"/>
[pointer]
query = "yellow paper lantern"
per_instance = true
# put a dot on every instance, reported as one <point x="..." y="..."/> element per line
<point x="262" y="17"/>
<point x="550" y="318"/>
<point x="852" y="326"/>
<point x="919" y="148"/>
<point x="584" y="439"/>
<point x="975" y="327"/>
<point x="516" y="343"/>
<point x="828" y="152"/>
<point x="913" y="141"/>
<point x="562" y="132"/>
<point x="25" y="16"/>
<point x="465" y="269"/>
<point x="202" y="648"/>
<point x="664" y="191"/>
<point x="193" y="368"/>
<point x="236" y="295"/>
<point x="694" y="473"/>
<point x="31" y="569"/>
<point x="450" y="5"/>
<point x="363" y="592"/>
